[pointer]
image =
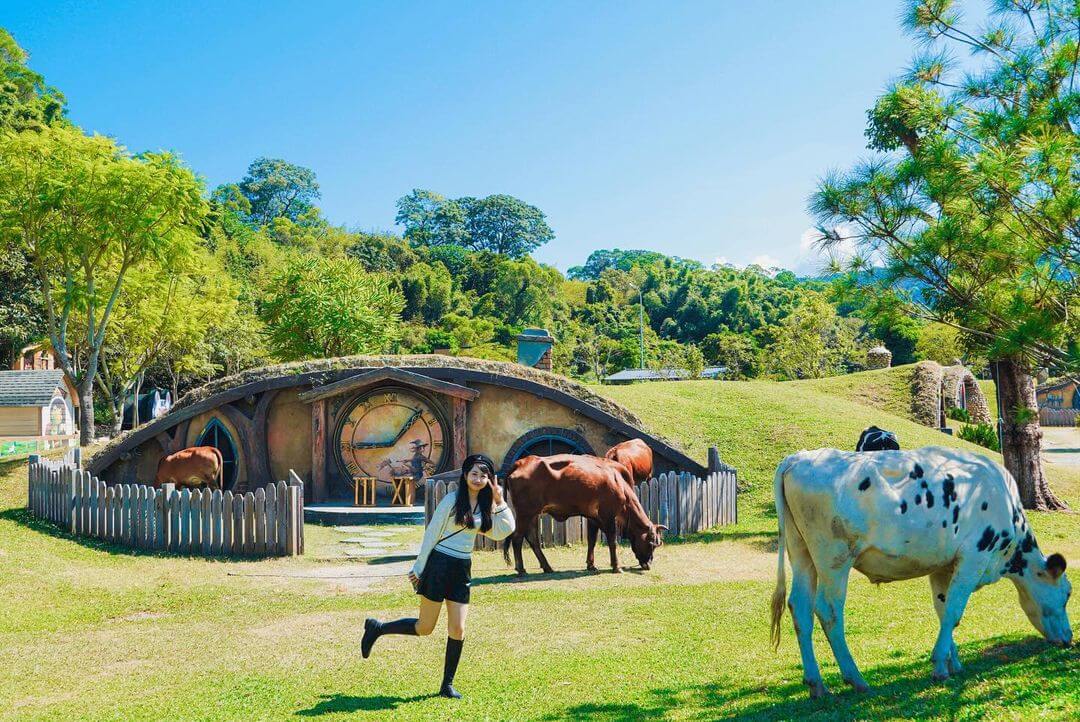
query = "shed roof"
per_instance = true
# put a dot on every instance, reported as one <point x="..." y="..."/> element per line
<point x="29" y="388"/>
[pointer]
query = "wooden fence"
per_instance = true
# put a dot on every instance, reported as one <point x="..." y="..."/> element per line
<point x="682" y="502"/>
<point x="1057" y="417"/>
<point x="268" y="522"/>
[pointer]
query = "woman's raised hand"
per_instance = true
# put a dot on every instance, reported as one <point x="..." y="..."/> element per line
<point x="496" y="492"/>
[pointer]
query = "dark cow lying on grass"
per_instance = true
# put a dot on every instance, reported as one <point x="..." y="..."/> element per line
<point x="938" y="512"/>
<point x="875" y="439"/>
<point x="567" y="485"/>
<point x="636" y="456"/>
<point x="195" y="467"/>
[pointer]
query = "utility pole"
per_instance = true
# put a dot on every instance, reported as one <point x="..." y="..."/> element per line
<point x="641" y="328"/>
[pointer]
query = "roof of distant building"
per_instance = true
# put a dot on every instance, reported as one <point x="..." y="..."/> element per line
<point x="648" y="375"/>
<point x="29" y="388"/>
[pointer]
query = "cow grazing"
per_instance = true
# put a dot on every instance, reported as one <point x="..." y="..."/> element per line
<point x="938" y="512"/>
<point x="566" y="485"/>
<point x="875" y="439"/>
<point x="636" y="456"/>
<point x="195" y="467"/>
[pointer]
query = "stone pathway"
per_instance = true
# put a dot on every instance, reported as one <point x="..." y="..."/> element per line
<point x="1061" y="445"/>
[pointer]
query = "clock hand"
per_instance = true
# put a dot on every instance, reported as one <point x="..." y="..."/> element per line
<point x="372" y="444"/>
<point x="387" y="444"/>
<point x="408" y="425"/>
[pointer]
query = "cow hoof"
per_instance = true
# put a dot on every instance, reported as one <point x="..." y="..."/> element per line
<point x="549" y="570"/>
<point x="644" y="567"/>
<point x="817" y="689"/>
<point x="591" y="568"/>
<point x="616" y="570"/>
<point x="859" y="685"/>
<point x="521" y="572"/>
<point x="939" y="676"/>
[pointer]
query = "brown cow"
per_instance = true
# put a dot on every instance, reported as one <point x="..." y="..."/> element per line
<point x="566" y="485"/>
<point x="636" y="456"/>
<point x="194" y="467"/>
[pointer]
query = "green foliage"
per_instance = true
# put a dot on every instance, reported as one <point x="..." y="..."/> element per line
<point x="26" y="103"/>
<point x="320" y="307"/>
<point x="938" y="342"/>
<point x="86" y="213"/>
<point x="275" y="188"/>
<point x="22" y="317"/>
<point x="602" y="260"/>
<point x="811" y="342"/>
<point x="957" y="413"/>
<point x="984" y="435"/>
<point x="738" y="352"/>
<point x="498" y="223"/>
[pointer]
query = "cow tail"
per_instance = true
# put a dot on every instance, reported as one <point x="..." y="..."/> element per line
<point x="220" y="469"/>
<point x="780" y="593"/>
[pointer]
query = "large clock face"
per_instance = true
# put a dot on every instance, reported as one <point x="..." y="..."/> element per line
<point x="392" y="432"/>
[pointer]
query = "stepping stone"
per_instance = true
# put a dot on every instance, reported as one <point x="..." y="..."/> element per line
<point x="364" y="552"/>
<point x="365" y="530"/>
<point x="373" y="543"/>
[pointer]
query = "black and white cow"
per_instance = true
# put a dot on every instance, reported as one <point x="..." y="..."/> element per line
<point x="938" y="512"/>
<point x="875" y="439"/>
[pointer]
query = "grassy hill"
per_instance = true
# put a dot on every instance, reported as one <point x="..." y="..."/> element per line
<point x="755" y="424"/>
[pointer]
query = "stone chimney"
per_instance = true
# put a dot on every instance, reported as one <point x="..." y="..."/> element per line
<point x="534" y="348"/>
<point x="878" y="357"/>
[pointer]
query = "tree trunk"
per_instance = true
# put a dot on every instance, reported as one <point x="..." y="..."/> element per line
<point x="1021" y="435"/>
<point x="135" y="420"/>
<point x="86" y="405"/>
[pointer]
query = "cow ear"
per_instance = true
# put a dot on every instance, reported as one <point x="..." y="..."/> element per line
<point x="1055" y="565"/>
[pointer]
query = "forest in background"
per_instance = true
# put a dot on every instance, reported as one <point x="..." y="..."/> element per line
<point x="138" y="274"/>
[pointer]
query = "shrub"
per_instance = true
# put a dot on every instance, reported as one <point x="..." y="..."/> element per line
<point x="958" y="414"/>
<point x="981" y="434"/>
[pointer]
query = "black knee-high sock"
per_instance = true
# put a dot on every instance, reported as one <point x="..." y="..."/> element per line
<point x="374" y="629"/>
<point x="453" y="656"/>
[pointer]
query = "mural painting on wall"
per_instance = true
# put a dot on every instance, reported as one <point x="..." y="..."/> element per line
<point x="58" y="417"/>
<point x="392" y="432"/>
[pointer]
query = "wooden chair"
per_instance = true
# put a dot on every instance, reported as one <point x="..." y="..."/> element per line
<point x="404" y="491"/>
<point x="364" y="486"/>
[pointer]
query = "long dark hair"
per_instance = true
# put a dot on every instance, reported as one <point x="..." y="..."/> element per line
<point x="463" y="514"/>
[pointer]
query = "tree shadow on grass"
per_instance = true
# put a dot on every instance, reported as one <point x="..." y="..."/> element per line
<point x="1035" y="674"/>
<point x="333" y="703"/>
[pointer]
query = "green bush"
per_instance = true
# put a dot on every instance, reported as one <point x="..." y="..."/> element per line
<point x="981" y="434"/>
<point x="958" y="414"/>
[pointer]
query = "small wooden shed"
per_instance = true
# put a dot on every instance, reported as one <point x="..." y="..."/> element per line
<point x="36" y="410"/>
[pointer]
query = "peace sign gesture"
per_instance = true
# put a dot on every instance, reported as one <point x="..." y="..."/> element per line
<point x="496" y="492"/>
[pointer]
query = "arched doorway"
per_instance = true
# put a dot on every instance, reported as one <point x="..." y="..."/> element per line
<point x="215" y="434"/>
<point x="546" y="441"/>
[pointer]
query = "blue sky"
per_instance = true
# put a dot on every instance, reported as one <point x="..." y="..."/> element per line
<point x="693" y="128"/>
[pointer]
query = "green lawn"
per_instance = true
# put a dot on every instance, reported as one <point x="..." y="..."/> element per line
<point x="89" y="631"/>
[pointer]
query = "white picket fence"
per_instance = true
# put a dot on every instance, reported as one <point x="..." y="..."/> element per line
<point x="684" y="503"/>
<point x="266" y="523"/>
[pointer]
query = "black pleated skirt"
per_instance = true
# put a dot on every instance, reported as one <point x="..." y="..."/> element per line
<point x="446" y="577"/>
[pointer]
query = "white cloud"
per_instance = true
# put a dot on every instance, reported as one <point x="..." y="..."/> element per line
<point x="765" y="261"/>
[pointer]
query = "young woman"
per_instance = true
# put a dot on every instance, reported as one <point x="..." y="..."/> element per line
<point x="442" y="569"/>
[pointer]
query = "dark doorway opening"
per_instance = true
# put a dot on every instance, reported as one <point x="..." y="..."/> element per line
<point x="215" y="434"/>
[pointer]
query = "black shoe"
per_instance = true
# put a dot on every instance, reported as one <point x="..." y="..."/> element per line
<point x="449" y="691"/>
<point x="372" y="631"/>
